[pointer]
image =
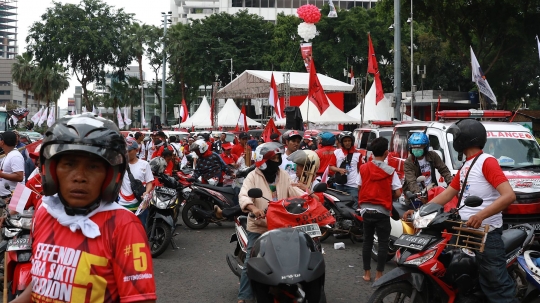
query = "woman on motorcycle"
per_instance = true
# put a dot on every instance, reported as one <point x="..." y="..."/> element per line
<point x="275" y="184"/>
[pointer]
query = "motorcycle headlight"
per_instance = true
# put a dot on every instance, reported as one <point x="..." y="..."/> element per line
<point x="161" y="204"/>
<point x="11" y="232"/>
<point x="421" y="260"/>
<point x="25" y="223"/>
<point x="423" y="222"/>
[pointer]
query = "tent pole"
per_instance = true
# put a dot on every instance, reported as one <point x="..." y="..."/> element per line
<point x="307" y="118"/>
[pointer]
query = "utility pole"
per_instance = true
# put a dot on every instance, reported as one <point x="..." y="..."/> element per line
<point x="397" y="59"/>
<point x="413" y="87"/>
<point x="163" y="79"/>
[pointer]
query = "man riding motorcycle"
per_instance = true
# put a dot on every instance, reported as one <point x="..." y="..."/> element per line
<point x="209" y="165"/>
<point x="422" y="162"/>
<point x="275" y="184"/>
<point x="484" y="178"/>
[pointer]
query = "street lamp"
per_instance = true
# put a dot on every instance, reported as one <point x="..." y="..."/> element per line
<point x="413" y="87"/>
<point x="165" y="22"/>
<point x="231" y="72"/>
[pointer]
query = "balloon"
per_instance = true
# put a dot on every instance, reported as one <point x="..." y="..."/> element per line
<point x="309" y="13"/>
<point x="307" y="31"/>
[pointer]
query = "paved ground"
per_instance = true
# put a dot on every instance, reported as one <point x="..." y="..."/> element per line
<point x="198" y="272"/>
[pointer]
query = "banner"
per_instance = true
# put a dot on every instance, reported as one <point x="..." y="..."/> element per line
<point x="316" y="92"/>
<point x="43" y="117"/>
<point x="306" y="51"/>
<point x="480" y="80"/>
<point x="35" y="118"/>
<point x="51" y="118"/>
<point x="119" y="116"/>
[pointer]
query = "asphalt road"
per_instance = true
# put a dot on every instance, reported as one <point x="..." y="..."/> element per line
<point x="198" y="273"/>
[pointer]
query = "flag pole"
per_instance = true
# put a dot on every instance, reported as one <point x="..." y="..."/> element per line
<point x="363" y="102"/>
<point x="307" y="118"/>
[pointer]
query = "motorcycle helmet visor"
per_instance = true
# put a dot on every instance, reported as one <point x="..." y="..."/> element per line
<point x="112" y="157"/>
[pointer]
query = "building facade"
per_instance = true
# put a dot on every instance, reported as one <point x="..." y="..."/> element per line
<point x="8" y="29"/>
<point x="10" y="92"/>
<point x="183" y="10"/>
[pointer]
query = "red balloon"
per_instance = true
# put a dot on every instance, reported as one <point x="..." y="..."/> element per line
<point x="309" y="13"/>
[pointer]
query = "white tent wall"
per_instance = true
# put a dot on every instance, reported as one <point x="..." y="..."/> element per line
<point x="229" y="114"/>
<point x="383" y="111"/>
<point x="201" y="118"/>
<point x="331" y="116"/>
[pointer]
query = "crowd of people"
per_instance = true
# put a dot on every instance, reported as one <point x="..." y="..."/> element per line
<point x="84" y="165"/>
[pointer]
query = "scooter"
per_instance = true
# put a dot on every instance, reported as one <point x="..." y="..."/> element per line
<point x="433" y="267"/>
<point x="206" y="202"/>
<point x="348" y="221"/>
<point x="300" y="279"/>
<point x="163" y="215"/>
<point x="529" y="263"/>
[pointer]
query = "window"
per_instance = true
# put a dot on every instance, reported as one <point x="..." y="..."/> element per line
<point x="434" y="143"/>
<point x="284" y="3"/>
<point x="296" y="3"/>
<point x="343" y="4"/>
<point x="264" y="3"/>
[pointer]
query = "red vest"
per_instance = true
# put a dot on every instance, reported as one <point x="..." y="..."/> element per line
<point x="376" y="186"/>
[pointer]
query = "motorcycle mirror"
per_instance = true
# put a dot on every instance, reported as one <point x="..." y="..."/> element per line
<point x="320" y="187"/>
<point x="255" y="193"/>
<point x="421" y="179"/>
<point x="473" y="201"/>
<point x="410" y="195"/>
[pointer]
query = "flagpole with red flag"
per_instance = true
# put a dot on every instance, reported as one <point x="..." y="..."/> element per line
<point x="184" y="111"/>
<point x="269" y="130"/>
<point x="316" y="92"/>
<point x="373" y="68"/>
<point x="273" y="99"/>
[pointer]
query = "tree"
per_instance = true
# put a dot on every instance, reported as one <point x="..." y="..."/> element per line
<point x="50" y="82"/>
<point x="138" y="38"/>
<point x="85" y="37"/>
<point x="154" y="53"/>
<point x="22" y="72"/>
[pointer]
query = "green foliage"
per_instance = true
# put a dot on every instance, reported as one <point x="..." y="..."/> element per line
<point x="22" y="73"/>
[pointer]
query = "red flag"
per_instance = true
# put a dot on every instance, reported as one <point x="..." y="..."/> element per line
<point x="373" y="68"/>
<point x="192" y="127"/>
<point x="242" y="119"/>
<point x="438" y="105"/>
<point x="274" y="100"/>
<point x="316" y="93"/>
<point x="269" y="130"/>
<point x="184" y="111"/>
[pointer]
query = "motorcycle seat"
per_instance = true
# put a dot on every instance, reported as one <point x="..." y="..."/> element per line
<point x="225" y="190"/>
<point x="341" y="196"/>
<point x="512" y="239"/>
<point x="243" y="221"/>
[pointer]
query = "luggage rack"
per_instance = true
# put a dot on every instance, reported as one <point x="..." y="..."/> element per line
<point x="466" y="237"/>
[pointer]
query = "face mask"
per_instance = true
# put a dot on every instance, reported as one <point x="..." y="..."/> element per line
<point x="418" y="152"/>
<point x="271" y="170"/>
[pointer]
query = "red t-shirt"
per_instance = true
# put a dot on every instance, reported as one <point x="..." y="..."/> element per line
<point x="327" y="157"/>
<point x="238" y="150"/>
<point x="229" y="160"/>
<point x="113" y="267"/>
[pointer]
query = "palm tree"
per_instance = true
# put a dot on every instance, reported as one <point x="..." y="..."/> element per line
<point x="22" y="73"/>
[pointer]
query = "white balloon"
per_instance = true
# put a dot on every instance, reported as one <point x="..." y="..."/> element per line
<point x="307" y="31"/>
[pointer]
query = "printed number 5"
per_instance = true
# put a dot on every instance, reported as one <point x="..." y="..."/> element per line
<point x="139" y="257"/>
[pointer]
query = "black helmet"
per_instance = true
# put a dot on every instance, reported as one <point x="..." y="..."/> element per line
<point x="345" y="134"/>
<point x="468" y="133"/>
<point x="205" y="135"/>
<point x="85" y="133"/>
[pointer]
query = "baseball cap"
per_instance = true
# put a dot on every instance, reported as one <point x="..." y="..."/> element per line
<point x="132" y="144"/>
<point x="307" y="137"/>
<point x="293" y="133"/>
<point x="243" y="135"/>
<point x="227" y="145"/>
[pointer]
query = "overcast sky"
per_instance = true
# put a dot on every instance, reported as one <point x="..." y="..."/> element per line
<point x="30" y="11"/>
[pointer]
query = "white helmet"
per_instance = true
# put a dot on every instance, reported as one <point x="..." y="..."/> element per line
<point x="266" y="151"/>
<point x="199" y="146"/>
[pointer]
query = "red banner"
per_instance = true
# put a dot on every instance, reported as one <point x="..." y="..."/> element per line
<point x="307" y="55"/>
<point x="297" y="211"/>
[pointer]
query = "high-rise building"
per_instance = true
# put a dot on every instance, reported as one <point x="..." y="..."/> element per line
<point x="8" y="29"/>
<point x="183" y="10"/>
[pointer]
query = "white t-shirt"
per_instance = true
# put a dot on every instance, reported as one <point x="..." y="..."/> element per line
<point x="142" y="151"/>
<point x="141" y="171"/>
<point x="12" y="162"/>
<point x="353" y="175"/>
<point x="177" y="149"/>
<point x="288" y="166"/>
<point x="425" y="170"/>
<point x="150" y="151"/>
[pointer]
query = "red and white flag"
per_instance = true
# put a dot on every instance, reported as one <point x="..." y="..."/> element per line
<point x="35" y="118"/>
<point x="184" y="111"/>
<point x="324" y="178"/>
<point x="274" y="101"/>
<point x="242" y="119"/>
<point x="20" y="198"/>
<point x="316" y="93"/>
<point x="373" y="68"/>
<point x="352" y="76"/>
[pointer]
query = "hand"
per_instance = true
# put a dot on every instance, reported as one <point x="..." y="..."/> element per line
<point x="474" y="221"/>
<point x="423" y="199"/>
<point x="302" y="186"/>
<point x="407" y="215"/>
<point x="259" y="214"/>
<point x="342" y="171"/>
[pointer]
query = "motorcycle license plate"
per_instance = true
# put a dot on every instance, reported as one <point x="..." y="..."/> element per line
<point x="415" y="242"/>
<point x="19" y="244"/>
<point x="312" y="230"/>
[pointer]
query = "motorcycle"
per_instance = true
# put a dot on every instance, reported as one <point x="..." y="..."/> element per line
<point x="205" y="202"/>
<point x="300" y="279"/>
<point x="16" y="247"/>
<point x="432" y="267"/>
<point x="163" y="215"/>
<point x="528" y="262"/>
<point x="348" y="222"/>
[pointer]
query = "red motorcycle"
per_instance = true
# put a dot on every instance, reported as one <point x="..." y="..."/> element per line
<point x="432" y="267"/>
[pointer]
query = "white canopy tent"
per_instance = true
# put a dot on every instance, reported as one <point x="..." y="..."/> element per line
<point x="229" y="114"/>
<point x="201" y="118"/>
<point x="383" y="111"/>
<point x="256" y="84"/>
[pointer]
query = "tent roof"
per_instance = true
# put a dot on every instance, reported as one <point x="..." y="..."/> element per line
<point x="201" y="118"/>
<point x="229" y="114"/>
<point x="383" y="111"/>
<point x="332" y="115"/>
<point x="256" y="84"/>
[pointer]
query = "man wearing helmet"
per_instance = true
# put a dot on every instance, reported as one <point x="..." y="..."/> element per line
<point x="348" y="161"/>
<point x="307" y="163"/>
<point x="292" y="139"/>
<point x="83" y="159"/>
<point x="326" y="153"/>
<point x="209" y="165"/>
<point x="422" y="162"/>
<point x="275" y="184"/>
<point x="483" y="177"/>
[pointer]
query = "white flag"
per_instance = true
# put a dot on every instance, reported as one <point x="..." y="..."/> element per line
<point x="43" y="117"/>
<point x="94" y="109"/>
<point x="99" y="112"/>
<point x="35" y="118"/>
<point x="127" y="120"/>
<point x="480" y="80"/>
<point x="119" y="116"/>
<point x="50" y="119"/>
<point x="538" y="42"/>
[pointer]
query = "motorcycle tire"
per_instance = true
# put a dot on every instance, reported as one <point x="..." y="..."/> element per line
<point x="162" y="238"/>
<point x="403" y="289"/>
<point x="328" y="231"/>
<point x="375" y="250"/>
<point x="190" y="220"/>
